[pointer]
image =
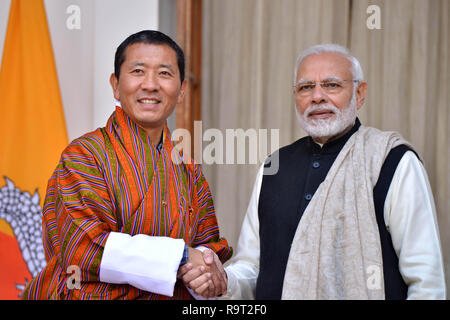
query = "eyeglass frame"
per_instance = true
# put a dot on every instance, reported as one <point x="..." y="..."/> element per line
<point x="322" y="82"/>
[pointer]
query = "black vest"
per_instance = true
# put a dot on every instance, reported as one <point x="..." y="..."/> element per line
<point x="284" y="197"/>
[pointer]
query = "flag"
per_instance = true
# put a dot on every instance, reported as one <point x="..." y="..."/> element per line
<point x="32" y="137"/>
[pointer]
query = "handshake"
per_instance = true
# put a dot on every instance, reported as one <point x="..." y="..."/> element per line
<point x="204" y="273"/>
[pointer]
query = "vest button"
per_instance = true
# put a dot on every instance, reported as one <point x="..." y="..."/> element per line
<point x="308" y="196"/>
<point x="316" y="164"/>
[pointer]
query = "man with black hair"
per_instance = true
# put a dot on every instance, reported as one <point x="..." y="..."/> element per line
<point x="120" y="216"/>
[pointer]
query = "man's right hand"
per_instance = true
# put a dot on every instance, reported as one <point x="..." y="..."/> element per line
<point x="195" y="272"/>
<point x="218" y="274"/>
<point x="207" y="278"/>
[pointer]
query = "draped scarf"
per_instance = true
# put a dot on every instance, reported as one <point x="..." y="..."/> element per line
<point x="336" y="251"/>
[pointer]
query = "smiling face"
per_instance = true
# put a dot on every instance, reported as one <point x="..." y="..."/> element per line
<point x="149" y="86"/>
<point x="324" y="114"/>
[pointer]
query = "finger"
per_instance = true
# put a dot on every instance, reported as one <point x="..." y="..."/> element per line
<point x="183" y="269"/>
<point x="223" y="274"/>
<point x="208" y="256"/>
<point x="193" y="274"/>
<point x="220" y="267"/>
<point x="221" y="287"/>
<point x="199" y="281"/>
<point x="203" y="289"/>
<point x="210" y="292"/>
<point x="215" y="277"/>
<point x="218" y="276"/>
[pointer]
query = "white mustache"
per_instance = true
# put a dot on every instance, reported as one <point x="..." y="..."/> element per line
<point x="321" y="108"/>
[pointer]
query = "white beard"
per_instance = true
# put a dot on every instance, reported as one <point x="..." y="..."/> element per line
<point x="330" y="127"/>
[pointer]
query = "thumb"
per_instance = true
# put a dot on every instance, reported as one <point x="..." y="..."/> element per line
<point x="208" y="256"/>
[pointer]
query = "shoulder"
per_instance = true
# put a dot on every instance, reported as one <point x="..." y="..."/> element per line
<point x="293" y="147"/>
<point x="401" y="154"/>
<point x="87" y="152"/>
<point x="197" y="175"/>
<point x="410" y="164"/>
<point x="286" y="152"/>
<point x="298" y="144"/>
<point x="92" y="143"/>
<point x="375" y="137"/>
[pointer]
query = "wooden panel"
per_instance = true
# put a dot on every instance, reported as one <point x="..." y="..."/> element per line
<point x="189" y="37"/>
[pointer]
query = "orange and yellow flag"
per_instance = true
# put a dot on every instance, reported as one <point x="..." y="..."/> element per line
<point x="32" y="137"/>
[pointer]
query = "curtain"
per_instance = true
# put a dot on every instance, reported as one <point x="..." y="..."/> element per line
<point x="250" y="48"/>
<point x="407" y="66"/>
<point x="249" y="53"/>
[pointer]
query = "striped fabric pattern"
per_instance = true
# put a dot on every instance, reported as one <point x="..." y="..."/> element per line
<point x="113" y="179"/>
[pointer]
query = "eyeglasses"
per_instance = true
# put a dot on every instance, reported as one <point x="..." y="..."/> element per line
<point x="329" y="86"/>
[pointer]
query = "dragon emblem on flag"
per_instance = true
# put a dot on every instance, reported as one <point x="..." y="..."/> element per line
<point x="22" y="212"/>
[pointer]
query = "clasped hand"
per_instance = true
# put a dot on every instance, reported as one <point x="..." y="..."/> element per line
<point x="204" y="273"/>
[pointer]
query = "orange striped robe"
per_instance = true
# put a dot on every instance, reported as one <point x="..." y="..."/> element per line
<point x="113" y="179"/>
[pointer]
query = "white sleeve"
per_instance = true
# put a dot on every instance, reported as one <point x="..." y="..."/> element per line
<point x="145" y="262"/>
<point x="410" y="217"/>
<point x="243" y="269"/>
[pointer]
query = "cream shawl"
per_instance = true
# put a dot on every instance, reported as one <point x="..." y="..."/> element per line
<point x="336" y="251"/>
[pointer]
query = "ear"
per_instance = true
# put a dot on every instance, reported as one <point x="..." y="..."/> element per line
<point x="361" y="92"/>
<point x="182" y="92"/>
<point x="115" y="86"/>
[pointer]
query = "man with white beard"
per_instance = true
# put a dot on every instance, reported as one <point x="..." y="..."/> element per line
<point x="348" y="215"/>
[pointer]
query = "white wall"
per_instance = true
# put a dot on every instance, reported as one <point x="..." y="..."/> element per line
<point x="73" y="52"/>
<point x="115" y="20"/>
<point x="85" y="57"/>
<point x="4" y="13"/>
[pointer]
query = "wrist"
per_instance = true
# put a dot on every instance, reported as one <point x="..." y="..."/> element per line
<point x="185" y="257"/>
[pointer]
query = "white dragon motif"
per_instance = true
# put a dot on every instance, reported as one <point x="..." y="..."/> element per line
<point x="24" y="214"/>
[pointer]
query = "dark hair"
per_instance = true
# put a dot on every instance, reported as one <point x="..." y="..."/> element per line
<point x="148" y="37"/>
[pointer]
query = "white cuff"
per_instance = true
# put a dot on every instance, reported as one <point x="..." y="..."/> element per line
<point x="200" y="248"/>
<point x="145" y="262"/>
